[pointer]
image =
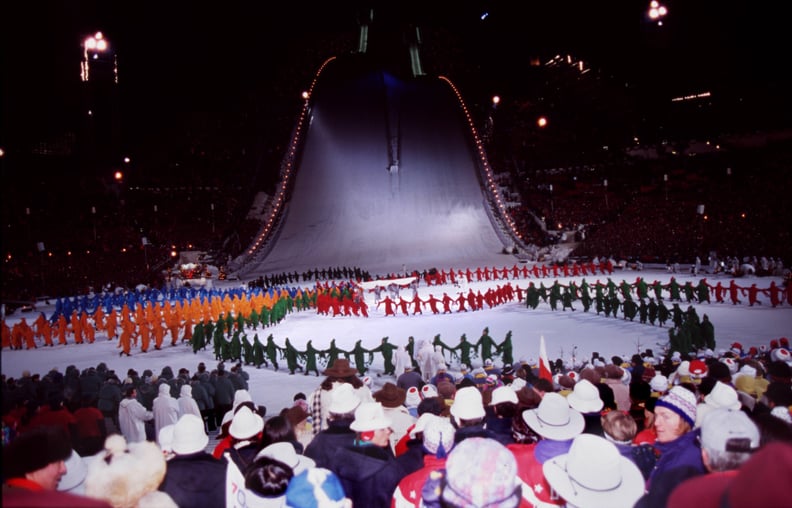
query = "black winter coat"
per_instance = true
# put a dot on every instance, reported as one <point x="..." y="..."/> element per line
<point x="196" y="480"/>
<point x="370" y="474"/>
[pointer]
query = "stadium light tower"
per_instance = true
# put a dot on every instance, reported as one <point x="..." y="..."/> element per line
<point x="93" y="46"/>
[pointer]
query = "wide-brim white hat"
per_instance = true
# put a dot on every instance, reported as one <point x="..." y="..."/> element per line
<point x="594" y="474"/>
<point x="370" y="416"/>
<point x="343" y="399"/>
<point x="468" y="404"/>
<point x="554" y="419"/>
<point x="245" y="424"/>
<point x="189" y="435"/>
<point x="585" y="397"/>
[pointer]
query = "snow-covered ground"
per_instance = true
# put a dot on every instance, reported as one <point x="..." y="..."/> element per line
<point x="566" y="333"/>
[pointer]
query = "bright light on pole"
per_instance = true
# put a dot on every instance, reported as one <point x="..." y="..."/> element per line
<point x="657" y="12"/>
<point x="92" y="46"/>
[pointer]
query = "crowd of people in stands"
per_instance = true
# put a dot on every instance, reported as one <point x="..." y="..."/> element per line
<point x="647" y="431"/>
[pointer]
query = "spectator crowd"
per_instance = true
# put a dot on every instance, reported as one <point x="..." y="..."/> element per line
<point x="704" y="428"/>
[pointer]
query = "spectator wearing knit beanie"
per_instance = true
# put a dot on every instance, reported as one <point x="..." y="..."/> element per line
<point x="677" y="444"/>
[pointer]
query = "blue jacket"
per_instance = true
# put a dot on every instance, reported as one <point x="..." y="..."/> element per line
<point x="683" y="451"/>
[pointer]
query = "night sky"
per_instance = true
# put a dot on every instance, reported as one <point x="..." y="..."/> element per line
<point x="181" y="56"/>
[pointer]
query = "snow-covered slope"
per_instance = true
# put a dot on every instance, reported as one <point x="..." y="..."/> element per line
<point x="349" y="209"/>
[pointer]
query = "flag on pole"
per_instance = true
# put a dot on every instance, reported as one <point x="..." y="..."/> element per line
<point x="544" y="364"/>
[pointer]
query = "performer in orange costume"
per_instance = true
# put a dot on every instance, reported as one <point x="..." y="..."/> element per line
<point x="76" y="328"/>
<point x="145" y="336"/>
<point x="111" y="325"/>
<point x="87" y="328"/>
<point x="63" y="328"/>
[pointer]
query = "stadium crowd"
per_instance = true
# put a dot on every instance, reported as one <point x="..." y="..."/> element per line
<point x="644" y="431"/>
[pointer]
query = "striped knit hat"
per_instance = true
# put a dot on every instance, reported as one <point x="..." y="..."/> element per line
<point x="682" y="401"/>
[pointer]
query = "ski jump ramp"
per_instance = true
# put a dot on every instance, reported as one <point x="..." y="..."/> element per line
<point x="387" y="182"/>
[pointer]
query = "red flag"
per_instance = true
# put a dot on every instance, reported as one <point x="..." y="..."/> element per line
<point x="544" y="364"/>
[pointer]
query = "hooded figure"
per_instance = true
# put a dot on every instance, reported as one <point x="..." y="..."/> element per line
<point x="188" y="405"/>
<point x="165" y="409"/>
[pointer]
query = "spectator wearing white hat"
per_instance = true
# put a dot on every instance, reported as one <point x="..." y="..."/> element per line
<point x="338" y="374"/>
<point x="467" y="414"/>
<point x="341" y="412"/>
<point x="593" y="474"/>
<point x="367" y="468"/>
<point x="500" y="412"/>
<point x="193" y="476"/>
<point x="721" y="396"/>
<point x="728" y="439"/>
<point x="556" y="424"/>
<point x="585" y="398"/>
<point x="245" y="430"/>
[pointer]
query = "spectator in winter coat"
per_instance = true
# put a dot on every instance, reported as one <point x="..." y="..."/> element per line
<point x="500" y="412"/>
<point x="224" y="394"/>
<point x="557" y="424"/>
<point x="340" y="414"/>
<point x="677" y="443"/>
<point x="89" y="431"/>
<point x="132" y="417"/>
<point x="165" y="409"/>
<point x="193" y="477"/>
<point x="436" y="435"/>
<point x="109" y="398"/>
<point x="367" y="468"/>
<point x="728" y="438"/>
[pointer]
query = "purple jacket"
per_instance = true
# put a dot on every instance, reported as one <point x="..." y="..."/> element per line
<point x="683" y="451"/>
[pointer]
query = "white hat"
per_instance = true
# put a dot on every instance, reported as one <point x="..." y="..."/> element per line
<point x="284" y="451"/>
<point x="343" y="399"/>
<point x="370" y="416"/>
<point x="659" y="383"/>
<point x="413" y="397"/>
<point x="468" y="404"/>
<point x="554" y="419"/>
<point x="721" y="426"/>
<point x="723" y="396"/>
<point x="518" y="384"/>
<point x="503" y="394"/>
<point x="683" y="369"/>
<point x="74" y="479"/>
<point x="245" y="424"/>
<point x="189" y="435"/>
<point x="241" y="396"/>
<point x="594" y="473"/>
<point x="585" y="397"/>
<point x="428" y="391"/>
